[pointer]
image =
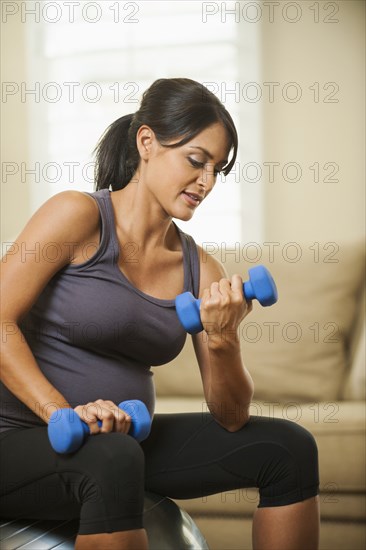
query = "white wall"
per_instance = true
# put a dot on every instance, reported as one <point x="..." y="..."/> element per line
<point x="308" y="132"/>
<point x="15" y="208"/>
<point x="304" y="132"/>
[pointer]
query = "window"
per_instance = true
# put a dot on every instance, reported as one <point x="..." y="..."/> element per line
<point x="90" y="65"/>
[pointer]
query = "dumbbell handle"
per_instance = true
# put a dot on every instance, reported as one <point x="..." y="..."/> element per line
<point x="67" y="432"/>
<point x="135" y="428"/>
<point x="260" y="286"/>
<point x="248" y="291"/>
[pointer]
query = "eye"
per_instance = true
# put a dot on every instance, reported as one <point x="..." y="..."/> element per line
<point x="196" y="163"/>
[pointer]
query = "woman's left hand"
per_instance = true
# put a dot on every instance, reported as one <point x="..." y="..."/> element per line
<point x="223" y="307"/>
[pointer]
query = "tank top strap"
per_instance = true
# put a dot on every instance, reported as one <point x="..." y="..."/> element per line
<point x="191" y="262"/>
<point x="109" y="247"/>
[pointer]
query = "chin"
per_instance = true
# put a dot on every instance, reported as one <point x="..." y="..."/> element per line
<point x="184" y="217"/>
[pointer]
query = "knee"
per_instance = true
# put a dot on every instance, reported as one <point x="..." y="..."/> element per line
<point x="106" y="478"/>
<point x="114" y="452"/>
<point x="108" y="458"/>
<point x="302" y="447"/>
<point x="108" y="467"/>
<point x="291" y="472"/>
<point x="300" y="450"/>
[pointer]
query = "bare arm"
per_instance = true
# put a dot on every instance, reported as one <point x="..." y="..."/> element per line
<point x="66" y="220"/>
<point x="227" y="384"/>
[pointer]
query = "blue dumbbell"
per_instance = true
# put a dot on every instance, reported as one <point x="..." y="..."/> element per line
<point x="260" y="286"/>
<point x="67" y="432"/>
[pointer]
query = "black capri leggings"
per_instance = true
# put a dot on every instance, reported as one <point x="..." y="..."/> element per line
<point x="187" y="455"/>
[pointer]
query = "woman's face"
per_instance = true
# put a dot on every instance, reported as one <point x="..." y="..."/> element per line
<point x="180" y="178"/>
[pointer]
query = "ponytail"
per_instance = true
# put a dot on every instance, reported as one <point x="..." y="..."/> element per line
<point x="116" y="155"/>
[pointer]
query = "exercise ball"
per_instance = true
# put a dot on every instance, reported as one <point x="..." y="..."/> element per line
<point x="168" y="527"/>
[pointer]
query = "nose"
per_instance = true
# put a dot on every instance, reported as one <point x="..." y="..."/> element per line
<point x="207" y="178"/>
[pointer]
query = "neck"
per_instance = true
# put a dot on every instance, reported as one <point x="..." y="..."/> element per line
<point x="141" y="219"/>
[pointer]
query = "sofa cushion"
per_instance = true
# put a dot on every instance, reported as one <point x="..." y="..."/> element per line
<point x="297" y="349"/>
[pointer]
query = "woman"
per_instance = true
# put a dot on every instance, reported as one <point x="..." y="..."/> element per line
<point x="92" y="309"/>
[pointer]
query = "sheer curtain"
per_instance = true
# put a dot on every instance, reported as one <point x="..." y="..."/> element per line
<point x="90" y="65"/>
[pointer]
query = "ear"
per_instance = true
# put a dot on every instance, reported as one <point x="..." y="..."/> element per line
<point x="145" y="138"/>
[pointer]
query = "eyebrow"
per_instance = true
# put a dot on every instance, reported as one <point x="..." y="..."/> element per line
<point x="207" y="153"/>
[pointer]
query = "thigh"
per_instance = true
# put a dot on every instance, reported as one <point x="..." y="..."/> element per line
<point x="102" y="483"/>
<point x="30" y="483"/>
<point x="190" y="455"/>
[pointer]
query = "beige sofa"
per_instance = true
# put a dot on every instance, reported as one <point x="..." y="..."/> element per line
<point x="306" y="355"/>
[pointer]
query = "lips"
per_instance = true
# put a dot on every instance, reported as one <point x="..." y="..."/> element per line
<point x="192" y="198"/>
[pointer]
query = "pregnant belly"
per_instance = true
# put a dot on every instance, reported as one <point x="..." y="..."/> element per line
<point x="83" y="376"/>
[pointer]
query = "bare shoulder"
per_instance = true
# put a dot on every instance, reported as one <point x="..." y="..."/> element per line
<point x="67" y="215"/>
<point x="211" y="269"/>
<point x="77" y="210"/>
<point x="63" y="222"/>
<point x="73" y="198"/>
<point x="47" y="243"/>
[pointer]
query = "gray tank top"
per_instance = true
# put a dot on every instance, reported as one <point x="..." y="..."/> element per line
<point x="95" y="335"/>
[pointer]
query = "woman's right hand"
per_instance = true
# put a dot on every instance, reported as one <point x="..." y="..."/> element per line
<point x="112" y="417"/>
